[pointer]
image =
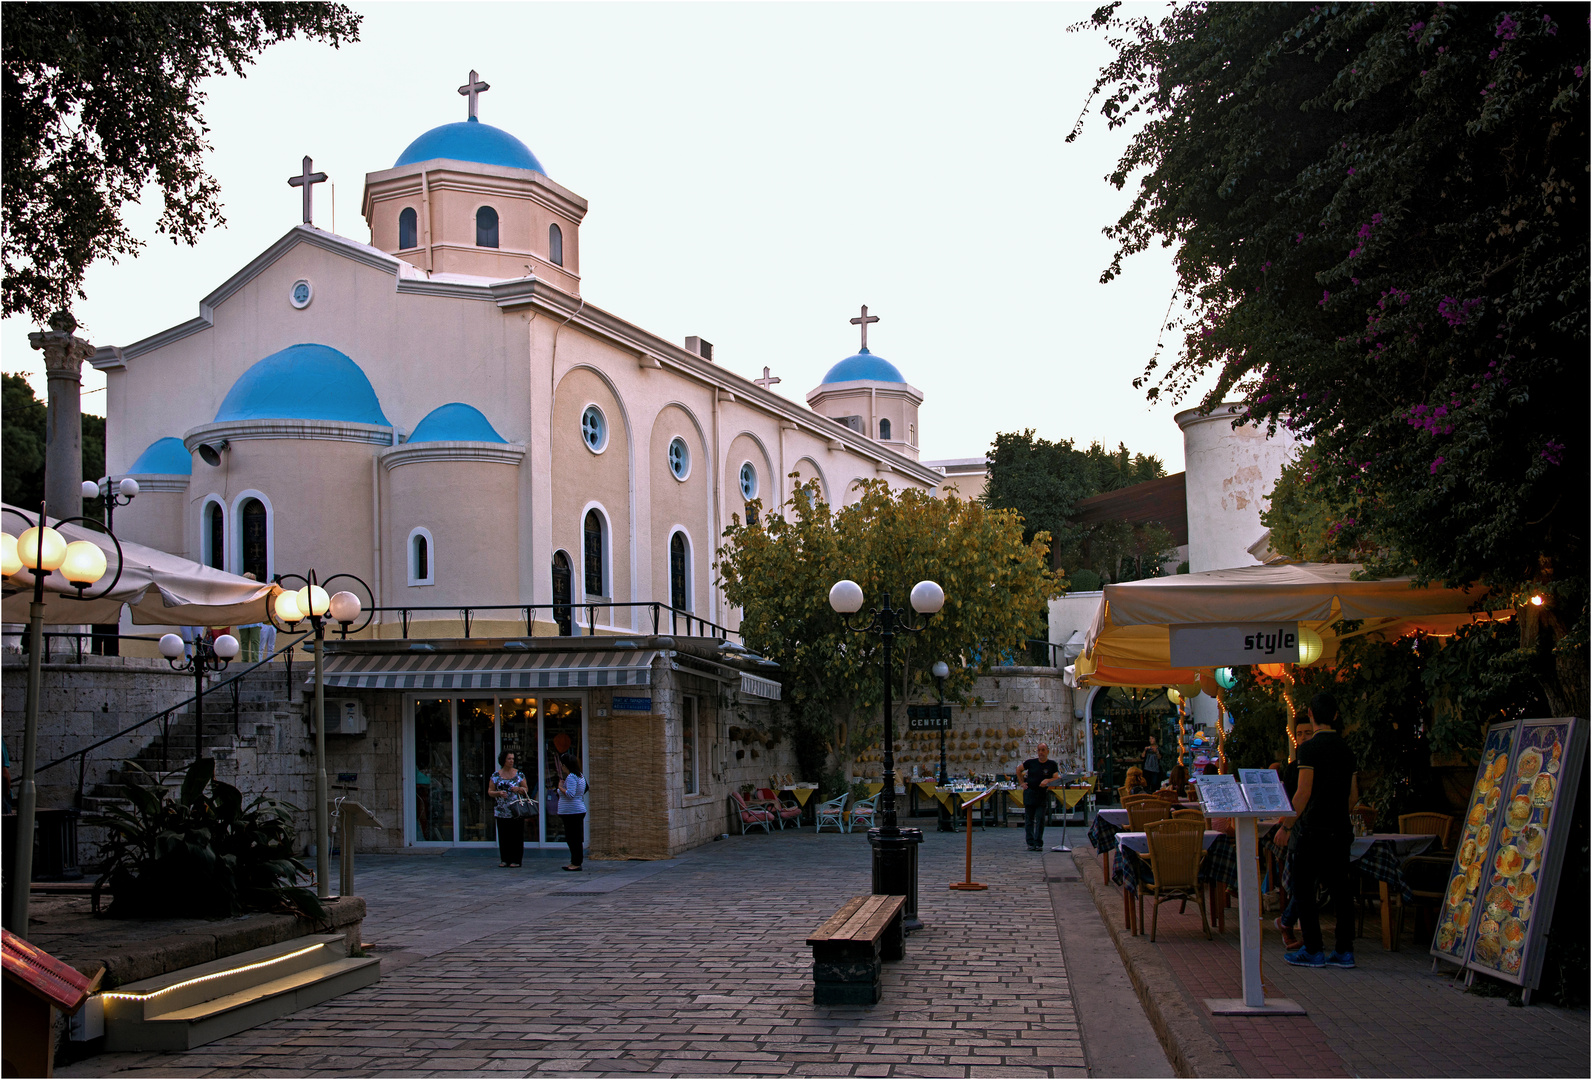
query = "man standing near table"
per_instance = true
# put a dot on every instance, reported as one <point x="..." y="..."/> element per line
<point x="1319" y="837"/>
<point x="1038" y="776"/>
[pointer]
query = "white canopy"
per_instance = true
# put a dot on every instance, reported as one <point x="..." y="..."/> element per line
<point x="160" y="589"/>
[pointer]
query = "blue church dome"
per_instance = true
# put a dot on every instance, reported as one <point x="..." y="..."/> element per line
<point x="303" y="382"/>
<point x="455" y="422"/>
<point x="864" y="366"/>
<point x="164" y="457"/>
<point x="471" y="140"/>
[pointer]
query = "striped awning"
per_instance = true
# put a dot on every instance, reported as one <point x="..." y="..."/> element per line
<point x="757" y="686"/>
<point x="489" y="670"/>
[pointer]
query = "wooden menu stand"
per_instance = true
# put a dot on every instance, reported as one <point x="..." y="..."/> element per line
<point x="968" y="883"/>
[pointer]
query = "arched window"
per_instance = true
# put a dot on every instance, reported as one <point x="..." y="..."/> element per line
<point x="562" y="586"/>
<point x="422" y="557"/>
<point x="679" y="572"/>
<point x="486" y="227"/>
<point x="254" y="537"/>
<point x="408" y="229"/>
<point x="595" y="548"/>
<point x="555" y="245"/>
<point x="884" y="430"/>
<point x="215" y="533"/>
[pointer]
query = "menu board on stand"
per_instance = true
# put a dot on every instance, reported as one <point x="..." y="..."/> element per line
<point x="1499" y="901"/>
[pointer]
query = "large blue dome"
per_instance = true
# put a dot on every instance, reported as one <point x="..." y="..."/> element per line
<point x="163" y="457"/>
<point x="455" y="422"/>
<point x="864" y="366"/>
<point x="303" y="382"/>
<point x="471" y="140"/>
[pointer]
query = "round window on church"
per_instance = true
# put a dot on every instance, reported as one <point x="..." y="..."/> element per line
<point x="594" y="429"/>
<point x="679" y="458"/>
<point x="303" y="292"/>
<point x="748" y="481"/>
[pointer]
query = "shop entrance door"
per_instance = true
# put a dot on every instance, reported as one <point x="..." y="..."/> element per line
<point x="451" y="750"/>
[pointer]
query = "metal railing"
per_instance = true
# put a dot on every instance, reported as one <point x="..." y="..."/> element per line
<point x="99" y="642"/>
<point x="680" y="622"/>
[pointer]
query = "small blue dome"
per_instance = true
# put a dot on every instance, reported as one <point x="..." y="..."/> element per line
<point x="163" y="457"/>
<point x="303" y="382"/>
<point x="471" y="140"/>
<point x="864" y="366"/>
<point x="455" y="422"/>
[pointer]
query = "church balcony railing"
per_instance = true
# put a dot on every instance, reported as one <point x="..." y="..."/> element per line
<point x="566" y="618"/>
<point x="98" y="642"/>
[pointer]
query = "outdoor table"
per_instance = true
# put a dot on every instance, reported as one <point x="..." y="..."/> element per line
<point x="801" y="793"/>
<point x="953" y="798"/>
<point x="1103" y="835"/>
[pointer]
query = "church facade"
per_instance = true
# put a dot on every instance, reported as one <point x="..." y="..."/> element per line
<point x="440" y="413"/>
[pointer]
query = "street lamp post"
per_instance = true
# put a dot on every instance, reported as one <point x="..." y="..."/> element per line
<point x="26" y="560"/>
<point x="313" y="603"/>
<point x="208" y="657"/>
<point x="940" y="670"/>
<point x="894" y="848"/>
<point x="115" y="495"/>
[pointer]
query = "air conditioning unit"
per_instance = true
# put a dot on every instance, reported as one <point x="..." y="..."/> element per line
<point x="345" y="716"/>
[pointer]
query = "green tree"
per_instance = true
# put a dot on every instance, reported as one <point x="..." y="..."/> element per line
<point x="778" y="572"/>
<point x="102" y="99"/>
<point x="1380" y="220"/>
<point x="22" y="434"/>
<point x="1042" y="481"/>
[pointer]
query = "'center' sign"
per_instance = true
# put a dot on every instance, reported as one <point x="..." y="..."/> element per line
<point x="1234" y="644"/>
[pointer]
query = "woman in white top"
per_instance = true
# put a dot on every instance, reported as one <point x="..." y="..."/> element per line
<point x="572" y="806"/>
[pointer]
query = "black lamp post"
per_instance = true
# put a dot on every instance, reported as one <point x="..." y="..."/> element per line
<point x="313" y="603"/>
<point x="26" y="561"/>
<point x="894" y="849"/>
<point x="208" y="657"/>
<point x="115" y="495"/>
<point x="940" y="670"/>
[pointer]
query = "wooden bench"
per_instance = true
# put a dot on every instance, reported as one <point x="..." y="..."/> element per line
<point x="849" y="948"/>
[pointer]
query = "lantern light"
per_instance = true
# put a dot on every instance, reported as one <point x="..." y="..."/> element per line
<point x="84" y="563"/>
<point x="846" y="597"/>
<point x="10" y="561"/>
<point x="54" y="549"/>
<point x="927" y="597"/>
<point x="1276" y="671"/>
<point x="313" y="601"/>
<point x="287" y="608"/>
<point x="91" y="489"/>
<point x="1310" y="646"/>
<point x="345" y="607"/>
<point x="128" y="487"/>
<point x="1173" y="695"/>
<point x="1536" y="599"/>
<point x="1226" y="678"/>
<point x="226" y="646"/>
<point x="171" y="646"/>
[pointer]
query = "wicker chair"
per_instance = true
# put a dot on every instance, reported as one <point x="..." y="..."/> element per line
<point x="1176" y="848"/>
<point x="1191" y="814"/>
<point x="1167" y="795"/>
<point x="1442" y="825"/>
<point x="1140" y="815"/>
<point x="1129" y="800"/>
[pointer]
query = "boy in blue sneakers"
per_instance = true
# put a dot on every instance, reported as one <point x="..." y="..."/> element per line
<point x="1319" y="838"/>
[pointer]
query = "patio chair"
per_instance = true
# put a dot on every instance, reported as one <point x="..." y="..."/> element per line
<point x="864" y="811"/>
<point x="1167" y="795"/>
<point x="789" y="813"/>
<point x="753" y="817"/>
<point x="1441" y="825"/>
<point x="833" y="813"/>
<point x="1190" y="814"/>
<point x="1129" y="800"/>
<point x="1176" y="848"/>
<point x="1140" y="815"/>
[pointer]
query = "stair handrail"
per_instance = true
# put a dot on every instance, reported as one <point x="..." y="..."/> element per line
<point x="82" y="752"/>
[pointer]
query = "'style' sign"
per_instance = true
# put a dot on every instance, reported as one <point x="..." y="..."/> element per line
<point x="1234" y="644"/>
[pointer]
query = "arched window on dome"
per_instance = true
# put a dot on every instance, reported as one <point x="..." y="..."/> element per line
<point x="555" y="245"/>
<point x="594" y="545"/>
<point x="422" y="557"/>
<point x="408" y="229"/>
<point x="486" y="227"/>
<point x="884" y="430"/>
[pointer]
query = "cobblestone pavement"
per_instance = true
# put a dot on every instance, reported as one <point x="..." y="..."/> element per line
<point x="692" y="967"/>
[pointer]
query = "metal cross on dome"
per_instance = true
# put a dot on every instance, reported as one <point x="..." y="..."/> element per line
<point x="307" y="181"/>
<point x="473" y="90"/>
<point x="767" y="381"/>
<point x="863" y="320"/>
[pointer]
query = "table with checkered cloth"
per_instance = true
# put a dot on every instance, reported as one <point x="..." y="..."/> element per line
<point x="1379" y="857"/>
<point x="1103" y="834"/>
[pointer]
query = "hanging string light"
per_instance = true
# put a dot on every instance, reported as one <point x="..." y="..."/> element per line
<point x="1221" y="736"/>
<point x="1293" y="735"/>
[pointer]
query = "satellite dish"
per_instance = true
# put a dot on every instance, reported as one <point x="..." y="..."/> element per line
<point x="211" y="455"/>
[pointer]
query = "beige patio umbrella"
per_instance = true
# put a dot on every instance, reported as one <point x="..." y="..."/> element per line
<point x="160" y="589"/>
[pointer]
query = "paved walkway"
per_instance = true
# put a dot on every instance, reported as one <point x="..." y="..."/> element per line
<point x="692" y="967"/>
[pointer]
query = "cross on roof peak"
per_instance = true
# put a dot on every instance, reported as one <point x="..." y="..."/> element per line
<point x="307" y="180"/>
<point x="767" y="381"/>
<point x="473" y="90"/>
<point x="863" y="320"/>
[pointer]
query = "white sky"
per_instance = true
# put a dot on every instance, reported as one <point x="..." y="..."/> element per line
<point x="755" y="173"/>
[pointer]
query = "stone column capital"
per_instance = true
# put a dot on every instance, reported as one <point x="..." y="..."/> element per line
<point x="63" y="353"/>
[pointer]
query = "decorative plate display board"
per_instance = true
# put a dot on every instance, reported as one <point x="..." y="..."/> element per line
<point x="1499" y="901"/>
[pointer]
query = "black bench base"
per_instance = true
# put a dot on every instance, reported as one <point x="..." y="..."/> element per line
<point x="849" y="970"/>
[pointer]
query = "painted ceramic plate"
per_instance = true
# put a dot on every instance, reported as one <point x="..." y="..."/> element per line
<point x="1492" y="799"/>
<point x="1457" y="889"/>
<point x="1467" y="853"/>
<point x="1511" y="962"/>
<point x="1504" y="835"/>
<point x="1509" y="861"/>
<point x="1523" y="910"/>
<point x="1530" y="763"/>
<point x="1499" y="766"/>
<point x="1542" y="789"/>
<point x="1519" y="811"/>
<point x="1462" y="916"/>
<point x="1514" y="933"/>
<point x="1523" y="886"/>
<point x="1478" y="813"/>
<point x="1499" y="901"/>
<point x="1487" y="947"/>
<point x="1473" y="877"/>
<point x="1483" y="835"/>
<point x="1445" y="937"/>
<point x="1531" y="840"/>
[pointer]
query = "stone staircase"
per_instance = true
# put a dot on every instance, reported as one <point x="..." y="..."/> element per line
<point x="196" y="1005"/>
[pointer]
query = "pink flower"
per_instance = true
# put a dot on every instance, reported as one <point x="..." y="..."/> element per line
<point x="1435" y="463"/>
<point x="1579" y="71"/>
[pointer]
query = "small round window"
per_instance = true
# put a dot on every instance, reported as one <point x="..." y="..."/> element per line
<point x="594" y="429"/>
<point x="679" y="458"/>
<point x="748" y="481"/>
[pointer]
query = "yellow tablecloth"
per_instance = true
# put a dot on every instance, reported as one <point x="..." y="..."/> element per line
<point x="800" y="794"/>
<point x="1071" y="796"/>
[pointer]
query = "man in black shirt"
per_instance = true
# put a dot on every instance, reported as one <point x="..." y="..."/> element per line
<point x="1328" y="788"/>
<point x="1037" y="775"/>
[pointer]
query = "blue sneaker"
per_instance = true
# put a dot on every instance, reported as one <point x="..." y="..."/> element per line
<point x="1340" y="959"/>
<point x="1303" y="957"/>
